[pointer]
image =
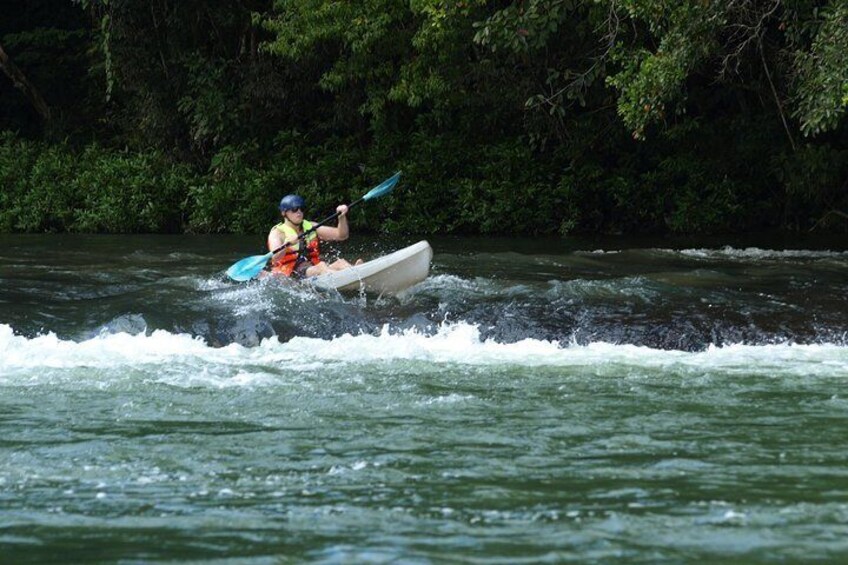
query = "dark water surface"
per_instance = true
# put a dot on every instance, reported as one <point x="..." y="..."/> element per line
<point x="532" y="401"/>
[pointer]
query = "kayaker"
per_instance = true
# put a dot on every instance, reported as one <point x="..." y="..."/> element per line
<point x="303" y="258"/>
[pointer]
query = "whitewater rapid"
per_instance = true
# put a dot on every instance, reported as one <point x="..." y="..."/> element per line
<point x="38" y="359"/>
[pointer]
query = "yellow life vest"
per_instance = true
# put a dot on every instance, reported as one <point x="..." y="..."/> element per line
<point x="285" y="264"/>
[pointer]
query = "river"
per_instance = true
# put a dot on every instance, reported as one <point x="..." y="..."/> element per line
<point x="534" y="400"/>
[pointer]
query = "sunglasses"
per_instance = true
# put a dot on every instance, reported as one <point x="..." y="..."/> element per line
<point x="295" y="210"/>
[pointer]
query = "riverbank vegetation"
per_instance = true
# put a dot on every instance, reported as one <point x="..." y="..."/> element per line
<point x="525" y="117"/>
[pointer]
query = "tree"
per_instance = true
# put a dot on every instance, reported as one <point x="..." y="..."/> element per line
<point x="789" y="51"/>
<point x="821" y="90"/>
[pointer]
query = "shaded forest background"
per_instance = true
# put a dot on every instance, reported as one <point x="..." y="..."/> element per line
<point x="524" y="117"/>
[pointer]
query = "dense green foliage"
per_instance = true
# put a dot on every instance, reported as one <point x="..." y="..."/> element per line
<point x="535" y="116"/>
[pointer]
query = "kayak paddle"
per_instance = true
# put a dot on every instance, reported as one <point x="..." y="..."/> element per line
<point x="250" y="267"/>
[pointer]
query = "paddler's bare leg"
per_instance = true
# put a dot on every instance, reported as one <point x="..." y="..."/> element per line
<point x="339" y="265"/>
<point x="319" y="269"/>
<point x="323" y="268"/>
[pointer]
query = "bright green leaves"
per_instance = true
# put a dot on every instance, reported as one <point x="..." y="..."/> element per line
<point x="54" y="188"/>
<point x="354" y="49"/>
<point x="668" y="44"/>
<point x="523" y="27"/>
<point x="822" y="86"/>
<point x="651" y="82"/>
<point x="304" y="27"/>
<point x="413" y="53"/>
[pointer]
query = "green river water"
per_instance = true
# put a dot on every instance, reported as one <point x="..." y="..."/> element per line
<point x="628" y="401"/>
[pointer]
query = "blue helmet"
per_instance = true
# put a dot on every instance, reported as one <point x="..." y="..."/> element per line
<point x="292" y="201"/>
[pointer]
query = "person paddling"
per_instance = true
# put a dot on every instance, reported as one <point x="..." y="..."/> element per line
<point x="251" y="267"/>
<point x="303" y="258"/>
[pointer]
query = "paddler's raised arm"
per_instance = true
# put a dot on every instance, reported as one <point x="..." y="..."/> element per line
<point x="338" y="233"/>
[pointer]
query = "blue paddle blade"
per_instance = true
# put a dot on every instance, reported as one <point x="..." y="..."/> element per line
<point x="384" y="187"/>
<point x="248" y="268"/>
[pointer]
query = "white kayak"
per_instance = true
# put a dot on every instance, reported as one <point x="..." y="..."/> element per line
<point x="388" y="274"/>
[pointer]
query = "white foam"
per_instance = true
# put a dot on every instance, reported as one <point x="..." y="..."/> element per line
<point x="182" y="360"/>
<point x="729" y="253"/>
<point x="758" y="254"/>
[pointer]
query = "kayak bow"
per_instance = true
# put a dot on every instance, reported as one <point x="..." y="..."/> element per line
<point x="389" y="274"/>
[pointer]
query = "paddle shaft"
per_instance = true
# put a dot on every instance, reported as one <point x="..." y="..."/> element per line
<point x="329" y="218"/>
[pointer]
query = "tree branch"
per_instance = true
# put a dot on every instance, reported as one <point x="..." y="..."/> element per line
<point x="24" y="85"/>
<point x="826" y="216"/>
